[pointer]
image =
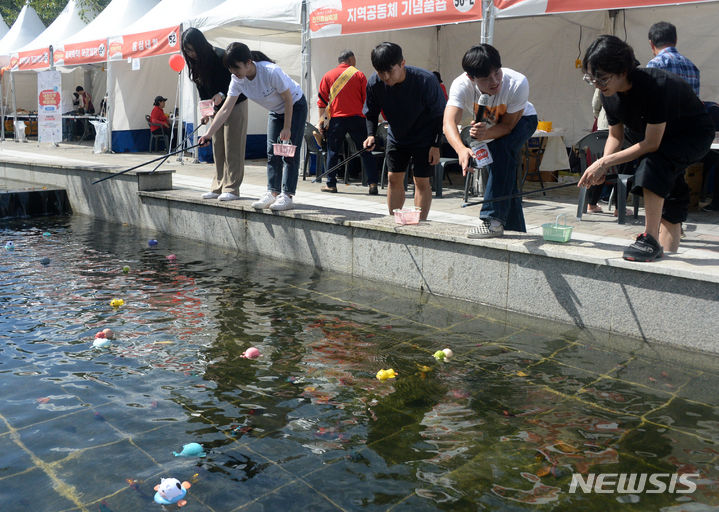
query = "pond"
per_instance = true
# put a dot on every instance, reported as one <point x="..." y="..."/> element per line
<point x="525" y="415"/>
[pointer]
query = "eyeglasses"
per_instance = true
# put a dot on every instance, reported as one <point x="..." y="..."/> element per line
<point x="599" y="82"/>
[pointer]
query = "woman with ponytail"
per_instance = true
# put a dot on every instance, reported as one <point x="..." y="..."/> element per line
<point x="256" y="76"/>
<point x="208" y="72"/>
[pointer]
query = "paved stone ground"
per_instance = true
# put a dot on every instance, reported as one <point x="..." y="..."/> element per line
<point x="699" y="248"/>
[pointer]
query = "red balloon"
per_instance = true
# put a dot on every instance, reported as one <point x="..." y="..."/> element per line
<point x="177" y="63"/>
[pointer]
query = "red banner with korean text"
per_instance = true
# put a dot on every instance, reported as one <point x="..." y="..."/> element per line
<point x="75" y="54"/>
<point x="145" y="44"/>
<point x="333" y="18"/>
<point x="34" y="59"/>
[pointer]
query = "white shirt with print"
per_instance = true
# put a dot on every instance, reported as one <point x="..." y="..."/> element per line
<point x="266" y="86"/>
<point x="513" y="96"/>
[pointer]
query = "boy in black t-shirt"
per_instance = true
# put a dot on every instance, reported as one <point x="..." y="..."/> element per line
<point x="412" y="101"/>
<point x="670" y="129"/>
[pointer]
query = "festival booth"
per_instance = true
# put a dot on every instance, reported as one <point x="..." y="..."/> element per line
<point x="85" y="52"/>
<point x="540" y="38"/>
<point x="31" y="63"/>
<point x="27" y="27"/>
<point x="275" y="28"/>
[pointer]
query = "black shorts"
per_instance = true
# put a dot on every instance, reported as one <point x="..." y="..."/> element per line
<point x="398" y="158"/>
<point x="662" y="172"/>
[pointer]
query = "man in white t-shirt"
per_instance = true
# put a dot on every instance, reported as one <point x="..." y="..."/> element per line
<point x="507" y="123"/>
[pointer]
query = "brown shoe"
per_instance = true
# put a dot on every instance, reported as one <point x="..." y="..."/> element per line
<point x="373" y="189"/>
<point x="325" y="188"/>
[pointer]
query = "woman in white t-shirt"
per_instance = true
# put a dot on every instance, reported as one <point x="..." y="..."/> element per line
<point x="256" y="76"/>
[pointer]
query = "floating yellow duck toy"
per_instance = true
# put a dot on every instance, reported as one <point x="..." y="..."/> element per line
<point x="116" y="303"/>
<point x="386" y="374"/>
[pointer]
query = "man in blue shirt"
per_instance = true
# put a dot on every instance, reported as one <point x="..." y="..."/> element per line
<point x="663" y="41"/>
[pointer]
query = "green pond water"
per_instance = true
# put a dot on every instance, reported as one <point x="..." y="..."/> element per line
<point x="503" y="425"/>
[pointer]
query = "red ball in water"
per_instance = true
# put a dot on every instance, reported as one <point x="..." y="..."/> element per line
<point x="100" y="334"/>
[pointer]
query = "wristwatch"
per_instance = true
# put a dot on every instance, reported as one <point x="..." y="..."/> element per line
<point x="222" y="95"/>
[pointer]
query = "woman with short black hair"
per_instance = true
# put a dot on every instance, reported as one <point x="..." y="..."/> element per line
<point x="669" y="127"/>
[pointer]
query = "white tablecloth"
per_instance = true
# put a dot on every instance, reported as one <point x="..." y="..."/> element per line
<point x="555" y="152"/>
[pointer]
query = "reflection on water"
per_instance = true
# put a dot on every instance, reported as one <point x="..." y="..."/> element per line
<point x="521" y="406"/>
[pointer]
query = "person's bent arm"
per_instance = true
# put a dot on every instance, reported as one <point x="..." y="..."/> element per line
<point x="286" y="132"/>
<point x="505" y="126"/>
<point x="594" y="175"/>
<point x="219" y="119"/>
<point x="452" y="117"/>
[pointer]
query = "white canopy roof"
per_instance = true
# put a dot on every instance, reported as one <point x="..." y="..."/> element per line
<point x="169" y="13"/>
<point x="276" y="15"/>
<point x="68" y="22"/>
<point x="113" y="20"/>
<point x="26" y="28"/>
<point x="3" y="27"/>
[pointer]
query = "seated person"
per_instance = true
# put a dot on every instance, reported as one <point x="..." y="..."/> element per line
<point x="158" y="118"/>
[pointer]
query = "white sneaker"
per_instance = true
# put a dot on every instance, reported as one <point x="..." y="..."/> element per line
<point x="228" y="196"/>
<point x="210" y="195"/>
<point x="486" y="229"/>
<point x="265" y="201"/>
<point x="283" y="202"/>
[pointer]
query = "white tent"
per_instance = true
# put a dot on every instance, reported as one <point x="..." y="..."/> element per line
<point x="35" y="55"/>
<point x="27" y="27"/>
<point x="3" y="27"/>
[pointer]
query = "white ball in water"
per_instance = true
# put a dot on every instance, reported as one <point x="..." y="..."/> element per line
<point x="447" y="353"/>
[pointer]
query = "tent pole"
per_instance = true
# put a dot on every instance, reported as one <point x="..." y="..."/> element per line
<point x="305" y="65"/>
<point x="109" y="105"/>
<point x="14" y="104"/>
<point x="488" y="15"/>
<point x="2" y="108"/>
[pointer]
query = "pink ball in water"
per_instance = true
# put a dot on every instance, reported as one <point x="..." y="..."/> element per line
<point x="108" y="333"/>
<point x="171" y="257"/>
<point x="100" y="334"/>
<point x="251" y="353"/>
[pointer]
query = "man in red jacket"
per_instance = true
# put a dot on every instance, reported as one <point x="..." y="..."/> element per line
<point x="341" y="97"/>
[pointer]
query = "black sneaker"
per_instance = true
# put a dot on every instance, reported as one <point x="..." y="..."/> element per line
<point x="711" y="207"/>
<point x="645" y="248"/>
<point x="373" y="189"/>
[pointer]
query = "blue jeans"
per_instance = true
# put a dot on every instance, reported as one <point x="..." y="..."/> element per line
<point x="282" y="171"/>
<point x="503" y="176"/>
<point x="356" y="126"/>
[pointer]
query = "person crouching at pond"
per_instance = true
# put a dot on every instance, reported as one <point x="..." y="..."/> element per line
<point x="256" y="76"/>
<point x="669" y="129"/>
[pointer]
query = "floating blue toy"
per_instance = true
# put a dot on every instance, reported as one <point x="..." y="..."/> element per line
<point x="101" y="343"/>
<point x="10" y="245"/>
<point x="45" y="261"/>
<point x="152" y="243"/>
<point x="191" y="450"/>
<point x="47" y="233"/>
<point x="171" y="491"/>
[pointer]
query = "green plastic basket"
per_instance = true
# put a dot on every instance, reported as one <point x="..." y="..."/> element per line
<point x="556" y="232"/>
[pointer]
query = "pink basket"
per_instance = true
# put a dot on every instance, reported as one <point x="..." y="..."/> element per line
<point x="407" y="215"/>
<point x="284" y="148"/>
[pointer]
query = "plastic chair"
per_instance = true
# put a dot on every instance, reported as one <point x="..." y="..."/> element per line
<point x="312" y="148"/>
<point x="527" y="153"/>
<point x="591" y="148"/>
<point x="157" y="135"/>
<point x="440" y="170"/>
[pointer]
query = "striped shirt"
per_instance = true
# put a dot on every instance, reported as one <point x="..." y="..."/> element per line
<point x="671" y="60"/>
